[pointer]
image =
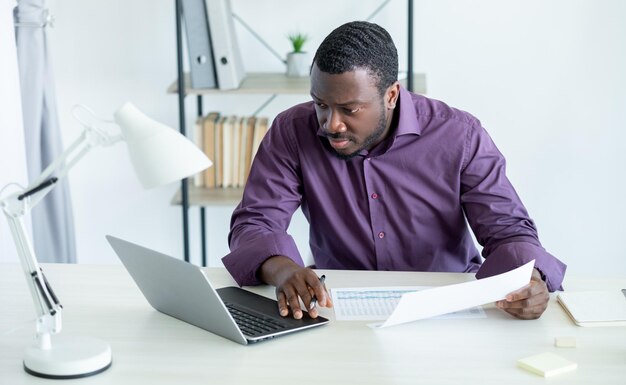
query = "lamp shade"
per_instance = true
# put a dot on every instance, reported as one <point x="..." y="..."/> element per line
<point x="160" y="155"/>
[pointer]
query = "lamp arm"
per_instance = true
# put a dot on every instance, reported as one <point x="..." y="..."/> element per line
<point x="47" y="305"/>
<point x="90" y="137"/>
<point x="18" y="204"/>
<point x="60" y="161"/>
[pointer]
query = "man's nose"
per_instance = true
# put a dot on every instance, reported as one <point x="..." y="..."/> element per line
<point x="334" y="124"/>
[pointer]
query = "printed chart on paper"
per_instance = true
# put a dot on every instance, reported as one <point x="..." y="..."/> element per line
<point x="377" y="303"/>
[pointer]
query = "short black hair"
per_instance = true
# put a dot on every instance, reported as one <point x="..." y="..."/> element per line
<point x="360" y="44"/>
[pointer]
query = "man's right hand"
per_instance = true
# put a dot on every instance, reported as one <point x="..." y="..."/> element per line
<point x="294" y="282"/>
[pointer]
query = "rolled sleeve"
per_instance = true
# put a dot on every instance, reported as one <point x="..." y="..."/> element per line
<point x="244" y="262"/>
<point x="511" y="255"/>
<point x="498" y="217"/>
<point x="272" y="194"/>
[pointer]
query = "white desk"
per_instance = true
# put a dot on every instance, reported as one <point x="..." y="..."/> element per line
<point x="152" y="348"/>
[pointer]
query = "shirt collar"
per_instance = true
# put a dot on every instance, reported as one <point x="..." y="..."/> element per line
<point x="407" y="121"/>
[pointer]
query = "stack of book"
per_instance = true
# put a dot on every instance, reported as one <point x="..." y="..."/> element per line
<point x="231" y="143"/>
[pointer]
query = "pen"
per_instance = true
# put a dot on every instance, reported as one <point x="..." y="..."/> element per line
<point x="314" y="299"/>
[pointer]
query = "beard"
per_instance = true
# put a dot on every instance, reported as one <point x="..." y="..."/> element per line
<point x="373" y="138"/>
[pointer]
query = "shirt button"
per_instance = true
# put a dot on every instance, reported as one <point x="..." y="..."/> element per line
<point x="374" y="196"/>
<point x="381" y="235"/>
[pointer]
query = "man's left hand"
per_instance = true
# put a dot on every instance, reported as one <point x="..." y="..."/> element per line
<point x="530" y="301"/>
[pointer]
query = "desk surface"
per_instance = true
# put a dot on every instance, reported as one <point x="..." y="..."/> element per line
<point x="149" y="347"/>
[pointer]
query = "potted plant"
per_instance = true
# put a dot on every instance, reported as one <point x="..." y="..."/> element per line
<point x="297" y="60"/>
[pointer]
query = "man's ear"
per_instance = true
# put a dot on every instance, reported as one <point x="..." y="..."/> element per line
<point x="391" y="95"/>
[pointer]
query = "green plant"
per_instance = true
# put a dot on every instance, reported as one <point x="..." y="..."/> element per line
<point x="297" y="41"/>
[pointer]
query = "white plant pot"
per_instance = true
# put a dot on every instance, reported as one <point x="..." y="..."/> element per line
<point x="298" y="64"/>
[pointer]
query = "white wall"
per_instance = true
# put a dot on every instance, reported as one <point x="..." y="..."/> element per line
<point x="545" y="77"/>
<point x="547" y="80"/>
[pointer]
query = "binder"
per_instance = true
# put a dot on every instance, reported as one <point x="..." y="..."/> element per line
<point x="201" y="63"/>
<point x="227" y="58"/>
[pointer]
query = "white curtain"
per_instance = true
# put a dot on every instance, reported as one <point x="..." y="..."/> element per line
<point x="52" y="220"/>
<point x="12" y="151"/>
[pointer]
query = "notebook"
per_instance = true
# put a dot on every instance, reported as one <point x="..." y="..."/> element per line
<point x="182" y="290"/>
<point x="595" y="308"/>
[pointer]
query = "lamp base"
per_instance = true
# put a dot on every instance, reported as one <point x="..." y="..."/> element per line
<point x="69" y="357"/>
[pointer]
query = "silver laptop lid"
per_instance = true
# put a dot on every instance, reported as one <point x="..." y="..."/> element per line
<point x="167" y="283"/>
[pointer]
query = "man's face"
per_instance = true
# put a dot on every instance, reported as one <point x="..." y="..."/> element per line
<point x="350" y="110"/>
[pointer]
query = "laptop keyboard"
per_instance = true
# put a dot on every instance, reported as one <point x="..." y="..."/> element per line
<point x="253" y="324"/>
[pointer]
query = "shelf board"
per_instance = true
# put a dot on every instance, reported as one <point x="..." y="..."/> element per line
<point x="276" y="83"/>
<point x="253" y="83"/>
<point x="200" y="196"/>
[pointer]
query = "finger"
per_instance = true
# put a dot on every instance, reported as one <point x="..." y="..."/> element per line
<point x="311" y="298"/>
<point x="533" y="305"/>
<point x="519" y="294"/>
<point x="533" y="288"/>
<point x="307" y="296"/>
<point x="294" y="303"/>
<point x="328" y="302"/>
<point x="530" y="308"/>
<point x="319" y="290"/>
<point x="283" y="309"/>
<point x="526" y="313"/>
<point x="540" y="299"/>
<point x="312" y="305"/>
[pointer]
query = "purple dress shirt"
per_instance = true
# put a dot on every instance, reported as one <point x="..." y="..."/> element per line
<point x="400" y="206"/>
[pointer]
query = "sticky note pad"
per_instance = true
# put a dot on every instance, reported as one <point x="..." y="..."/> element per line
<point x="546" y="364"/>
<point x="565" y="342"/>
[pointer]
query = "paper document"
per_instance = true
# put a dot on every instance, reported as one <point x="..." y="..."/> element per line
<point x="446" y="299"/>
<point x="377" y="303"/>
<point x="416" y="305"/>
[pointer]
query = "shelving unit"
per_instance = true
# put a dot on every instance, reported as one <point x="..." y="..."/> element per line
<point x="271" y="84"/>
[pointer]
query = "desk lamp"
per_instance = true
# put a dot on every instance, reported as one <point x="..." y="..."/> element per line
<point x="160" y="156"/>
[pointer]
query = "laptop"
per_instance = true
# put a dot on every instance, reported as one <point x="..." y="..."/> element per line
<point x="182" y="290"/>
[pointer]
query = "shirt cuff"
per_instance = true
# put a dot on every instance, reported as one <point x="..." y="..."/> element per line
<point x="511" y="255"/>
<point x="244" y="262"/>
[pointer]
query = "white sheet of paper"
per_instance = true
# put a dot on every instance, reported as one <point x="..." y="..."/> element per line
<point x="377" y="303"/>
<point x="446" y="299"/>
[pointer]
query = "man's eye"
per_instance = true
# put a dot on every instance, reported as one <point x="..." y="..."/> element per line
<point x="352" y="110"/>
<point x="321" y="105"/>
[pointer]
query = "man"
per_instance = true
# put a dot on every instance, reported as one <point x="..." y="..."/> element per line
<point x="386" y="179"/>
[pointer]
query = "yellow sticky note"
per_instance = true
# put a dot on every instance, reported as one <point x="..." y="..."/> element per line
<point x="546" y="364"/>
<point x="565" y="342"/>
